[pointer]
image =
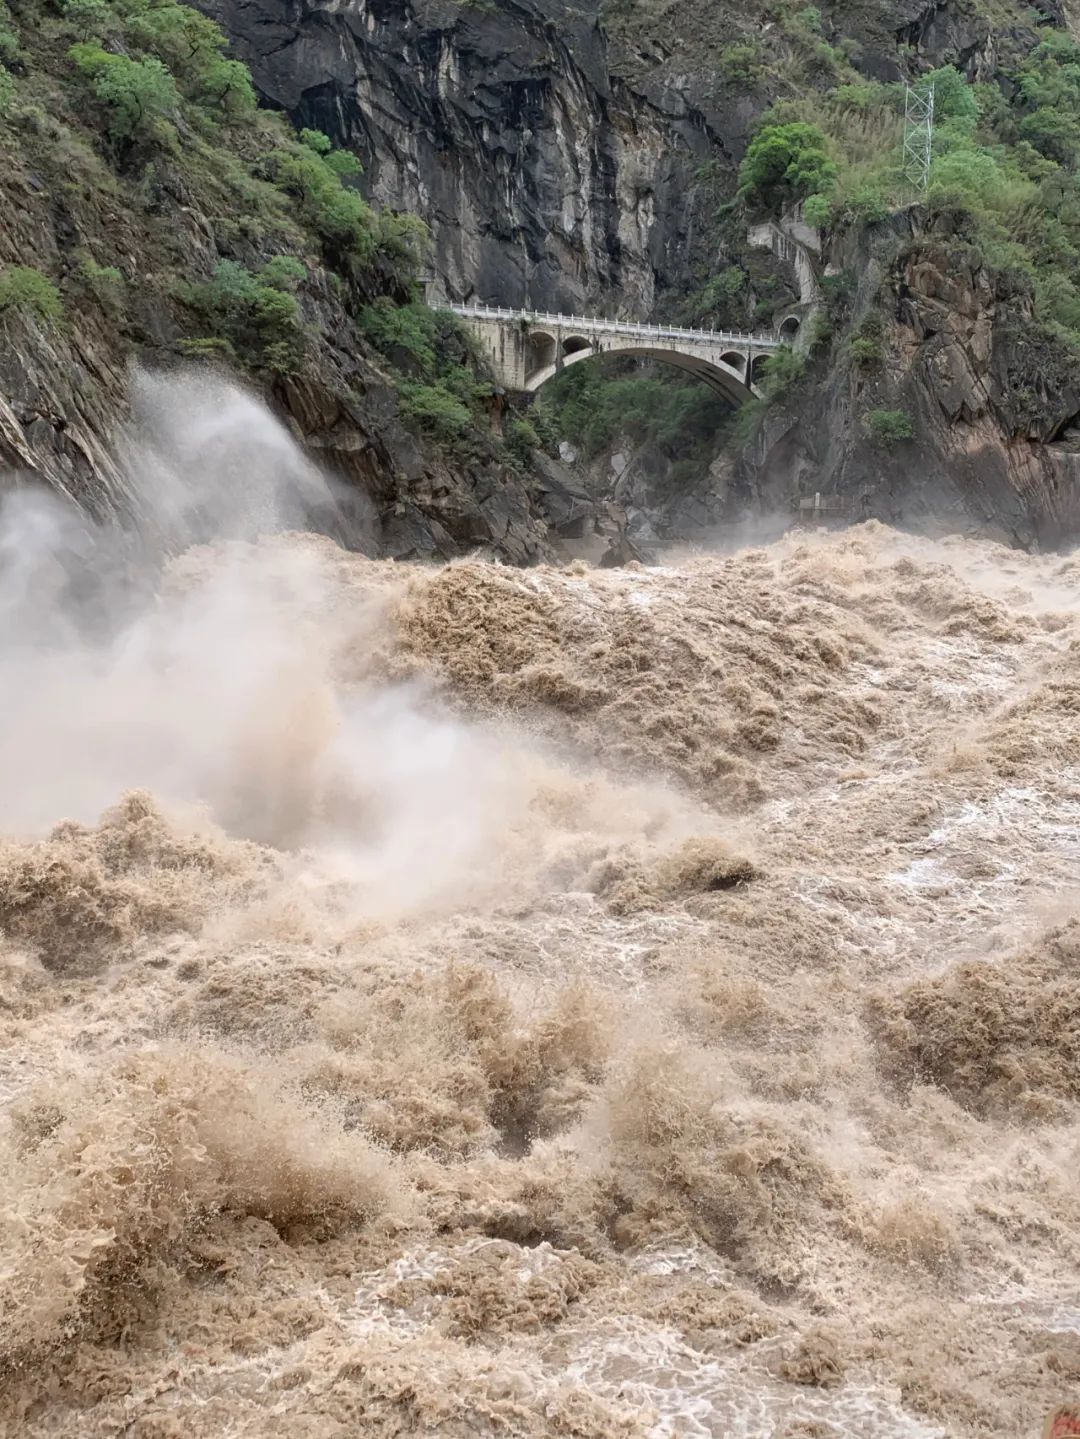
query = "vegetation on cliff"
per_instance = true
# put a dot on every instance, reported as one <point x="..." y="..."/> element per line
<point x="1005" y="160"/>
<point x="1002" y="208"/>
<point x="670" y="416"/>
<point x="152" y="207"/>
<point x="1001" y="200"/>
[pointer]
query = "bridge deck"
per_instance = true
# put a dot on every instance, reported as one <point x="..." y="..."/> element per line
<point x="584" y="325"/>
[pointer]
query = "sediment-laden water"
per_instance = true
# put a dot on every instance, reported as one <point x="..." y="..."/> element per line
<point x="556" y="1002"/>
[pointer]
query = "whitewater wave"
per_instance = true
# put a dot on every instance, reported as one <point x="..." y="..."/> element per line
<point x="558" y="1002"/>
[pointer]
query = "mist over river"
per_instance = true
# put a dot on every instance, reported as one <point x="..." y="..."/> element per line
<point x="480" y="1001"/>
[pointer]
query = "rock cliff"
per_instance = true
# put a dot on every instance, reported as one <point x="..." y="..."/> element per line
<point x="993" y="413"/>
<point x="546" y="176"/>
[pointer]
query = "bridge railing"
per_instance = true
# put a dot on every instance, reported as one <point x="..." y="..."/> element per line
<point x="621" y="327"/>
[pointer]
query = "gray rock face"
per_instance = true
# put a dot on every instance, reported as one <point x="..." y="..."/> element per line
<point x="546" y="179"/>
<point x="991" y="410"/>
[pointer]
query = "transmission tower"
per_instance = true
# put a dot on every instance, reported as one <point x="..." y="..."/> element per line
<point x="918" y="136"/>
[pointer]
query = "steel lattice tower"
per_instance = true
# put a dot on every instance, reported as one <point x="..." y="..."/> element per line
<point x="918" y="136"/>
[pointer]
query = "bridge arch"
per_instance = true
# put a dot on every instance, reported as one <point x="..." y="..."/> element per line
<point x="576" y="345"/>
<point x="727" y="375"/>
<point x="737" y="361"/>
<point x="526" y="348"/>
<point x="543" y="347"/>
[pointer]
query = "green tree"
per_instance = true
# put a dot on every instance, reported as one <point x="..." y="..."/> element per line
<point x="954" y="99"/>
<point x="785" y="163"/>
<point x="817" y="210"/>
<point x="406" y="334"/>
<point x="340" y="216"/>
<point x="226" y="86"/>
<point x="179" y="36"/>
<point x="139" y="95"/>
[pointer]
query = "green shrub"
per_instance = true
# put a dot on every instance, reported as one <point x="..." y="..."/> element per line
<point x="260" y="321"/>
<point x="784" y="163"/>
<point x="436" y="358"/>
<point x="851" y="49"/>
<point x="824" y="60"/>
<point x="317" y="141"/>
<point x="401" y="241"/>
<point x="747" y="419"/>
<point x="867" y="353"/>
<point x="822" y="330"/>
<point x="838" y="292"/>
<point x="7" y="92"/>
<point x="344" y="164"/>
<point x="105" y="284"/>
<point x="89" y="19"/>
<point x="406" y="334"/>
<point x="462" y="382"/>
<point x="867" y="204"/>
<point x="741" y="63"/>
<point x="861" y="95"/>
<point x="592" y="409"/>
<point x="437" y="411"/>
<point x="207" y="347"/>
<point x="340" y="217"/>
<point x="725" y="296"/>
<point x="283" y="272"/>
<point x="780" y="373"/>
<point x="22" y="288"/>
<point x="521" y="439"/>
<point x="886" y="428"/>
<point x="1050" y="92"/>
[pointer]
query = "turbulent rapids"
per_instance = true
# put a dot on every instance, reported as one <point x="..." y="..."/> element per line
<point x="555" y="1002"/>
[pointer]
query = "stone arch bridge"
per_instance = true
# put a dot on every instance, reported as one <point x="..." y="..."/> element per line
<point x="525" y="348"/>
